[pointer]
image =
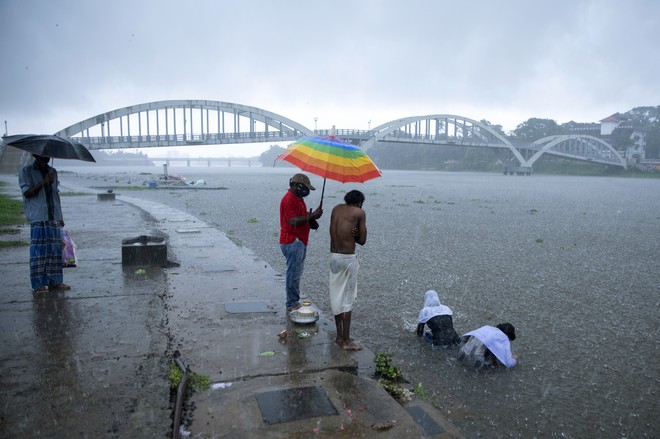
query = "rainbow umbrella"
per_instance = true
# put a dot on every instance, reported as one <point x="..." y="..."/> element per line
<point x="333" y="158"/>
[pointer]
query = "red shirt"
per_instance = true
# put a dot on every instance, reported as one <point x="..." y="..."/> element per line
<point x="292" y="206"/>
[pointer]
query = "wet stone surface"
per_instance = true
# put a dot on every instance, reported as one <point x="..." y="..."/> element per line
<point x="246" y="307"/>
<point x="86" y="362"/>
<point x="294" y="404"/>
<point x="425" y="421"/>
<point x="217" y="268"/>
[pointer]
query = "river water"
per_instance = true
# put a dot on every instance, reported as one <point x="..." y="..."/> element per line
<point x="572" y="262"/>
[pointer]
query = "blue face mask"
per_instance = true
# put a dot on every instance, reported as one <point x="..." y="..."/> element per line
<point x="302" y="190"/>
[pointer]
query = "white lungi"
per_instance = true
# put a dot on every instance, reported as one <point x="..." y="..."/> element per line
<point x="343" y="282"/>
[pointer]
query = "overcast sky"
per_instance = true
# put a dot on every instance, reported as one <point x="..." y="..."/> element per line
<point x="346" y="62"/>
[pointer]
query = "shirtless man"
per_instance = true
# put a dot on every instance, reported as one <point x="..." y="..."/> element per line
<point x="348" y="225"/>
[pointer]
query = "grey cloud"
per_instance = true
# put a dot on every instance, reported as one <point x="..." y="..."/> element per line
<point x="367" y="59"/>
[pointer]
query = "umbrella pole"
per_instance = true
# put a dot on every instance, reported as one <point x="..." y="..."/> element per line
<point x="322" y="192"/>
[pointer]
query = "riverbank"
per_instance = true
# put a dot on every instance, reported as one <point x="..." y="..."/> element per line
<point x="551" y="254"/>
<point x="94" y="361"/>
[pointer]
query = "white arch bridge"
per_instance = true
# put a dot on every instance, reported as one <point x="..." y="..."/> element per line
<point x="203" y="122"/>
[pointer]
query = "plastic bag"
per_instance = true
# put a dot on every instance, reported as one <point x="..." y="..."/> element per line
<point x="68" y="250"/>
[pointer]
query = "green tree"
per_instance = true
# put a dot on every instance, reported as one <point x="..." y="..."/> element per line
<point x="535" y="129"/>
<point x="621" y="138"/>
<point x="497" y="128"/>
<point x="653" y="143"/>
<point x="480" y="159"/>
<point x="649" y="119"/>
<point x="646" y="117"/>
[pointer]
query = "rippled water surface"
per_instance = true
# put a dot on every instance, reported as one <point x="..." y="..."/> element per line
<point x="572" y="262"/>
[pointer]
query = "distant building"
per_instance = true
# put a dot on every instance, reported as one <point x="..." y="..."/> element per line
<point x="635" y="150"/>
<point x="589" y="129"/>
<point x="613" y="129"/>
<point x="609" y="124"/>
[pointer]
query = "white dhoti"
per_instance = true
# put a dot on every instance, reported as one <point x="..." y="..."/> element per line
<point x="343" y="282"/>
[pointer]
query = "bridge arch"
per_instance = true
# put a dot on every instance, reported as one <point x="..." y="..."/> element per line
<point x="183" y="122"/>
<point x="440" y="129"/>
<point x="581" y="147"/>
<point x="207" y="122"/>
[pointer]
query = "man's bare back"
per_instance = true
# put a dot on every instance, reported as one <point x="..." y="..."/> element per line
<point x="348" y="225"/>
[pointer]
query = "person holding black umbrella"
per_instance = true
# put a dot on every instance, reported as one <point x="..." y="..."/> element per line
<point x="40" y="188"/>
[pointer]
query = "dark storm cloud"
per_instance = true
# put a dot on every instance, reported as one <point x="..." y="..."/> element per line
<point x="346" y="62"/>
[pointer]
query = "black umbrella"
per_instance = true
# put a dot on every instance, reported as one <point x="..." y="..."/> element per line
<point x="49" y="146"/>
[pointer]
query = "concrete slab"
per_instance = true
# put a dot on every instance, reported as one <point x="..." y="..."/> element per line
<point x="230" y="349"/>
<point x="425" y="421"/>
<point x="235" y="411"/>
<point x="216" y="268"/>
<point x="105" y="197"/>
<point x="246" y="307"/>
<point x="430" y="420"/>
<point x="294" y="404"/>
<point x="144" y="251"/>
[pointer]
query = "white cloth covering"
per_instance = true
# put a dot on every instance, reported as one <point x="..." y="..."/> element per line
<point x="473" y="354"/>
<point x="497" y="342"/>
<point x="343" y="282"/>
<point x="432" y="307"/>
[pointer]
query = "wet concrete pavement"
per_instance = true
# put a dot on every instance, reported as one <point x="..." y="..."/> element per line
<point x="94" y="361"/>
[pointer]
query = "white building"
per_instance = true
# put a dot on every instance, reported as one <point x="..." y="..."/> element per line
<point x="635" y="151"/>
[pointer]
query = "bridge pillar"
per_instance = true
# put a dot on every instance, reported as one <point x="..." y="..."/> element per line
<point x="188" y="163"/>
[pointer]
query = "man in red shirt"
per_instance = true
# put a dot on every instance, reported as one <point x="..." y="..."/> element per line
<point x="295" y="223"/>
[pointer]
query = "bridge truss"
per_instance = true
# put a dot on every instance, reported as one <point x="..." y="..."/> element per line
<point x="578" y="147"/>
<point x="446" y="129"/>
<point x="183" y="123"/>
<point x="202" y="122"/>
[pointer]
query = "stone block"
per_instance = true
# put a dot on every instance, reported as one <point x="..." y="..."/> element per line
<point x="107" y="196"/>
<point x="144" y="251"/>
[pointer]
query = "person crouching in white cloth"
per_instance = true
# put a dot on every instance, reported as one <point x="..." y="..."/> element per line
<point x="489" y="346"/>
<point x="348" y="225"/>
<point x="438" y="318"/>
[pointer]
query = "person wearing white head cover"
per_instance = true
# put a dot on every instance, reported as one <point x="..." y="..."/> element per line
<point x="489" y="346"/>
<point x="438" y="318"/>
